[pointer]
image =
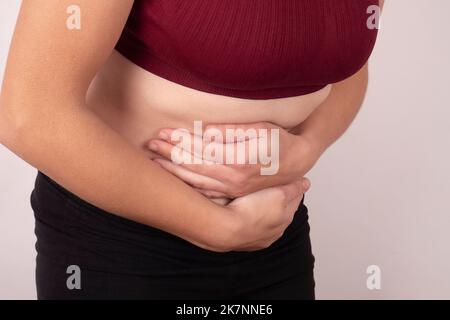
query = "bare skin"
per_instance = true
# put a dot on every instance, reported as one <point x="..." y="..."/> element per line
<point x="90" y="136"/>
<point x="138" y="104"/>
<point x="300" y="146"/>
<point x="44" y="119"/>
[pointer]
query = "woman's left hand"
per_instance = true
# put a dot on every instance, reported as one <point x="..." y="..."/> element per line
<point x="222" y="179"/>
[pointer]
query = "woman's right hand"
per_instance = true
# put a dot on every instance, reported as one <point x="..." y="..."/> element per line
<point x="258" y="219"/>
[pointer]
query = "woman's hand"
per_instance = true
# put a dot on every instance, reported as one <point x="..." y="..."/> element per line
<point x="255" y="221"/>
<point x="294" y="156"/>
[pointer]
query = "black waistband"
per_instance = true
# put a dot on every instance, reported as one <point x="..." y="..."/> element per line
<point x="70" y="229"/>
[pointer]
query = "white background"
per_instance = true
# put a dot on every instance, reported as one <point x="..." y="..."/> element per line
<point x="380" y="195"/>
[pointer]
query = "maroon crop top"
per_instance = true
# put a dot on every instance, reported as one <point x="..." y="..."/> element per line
<point x="254" y="49"/>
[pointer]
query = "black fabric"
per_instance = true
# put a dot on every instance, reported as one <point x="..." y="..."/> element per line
<point x="122" y="259"/>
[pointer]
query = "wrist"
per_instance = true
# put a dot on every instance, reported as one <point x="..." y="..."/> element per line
<point x="315" y="145"/>
<point x="307" y="151"/>
<point x="219" y="230"/>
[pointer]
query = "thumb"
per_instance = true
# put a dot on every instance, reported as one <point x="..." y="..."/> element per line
<point x="306" y="184"/>
<point x="292" y="190"/>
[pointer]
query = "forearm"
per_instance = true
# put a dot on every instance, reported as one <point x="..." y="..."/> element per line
<point x="332" y="118"/>
<point x="75" y="148"/>
<point x="44" y="119"/>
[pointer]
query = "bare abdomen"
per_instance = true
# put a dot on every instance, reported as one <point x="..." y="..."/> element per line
<point x="137" y="103"/>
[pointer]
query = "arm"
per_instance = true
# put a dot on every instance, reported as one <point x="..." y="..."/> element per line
<point x="333" y="117"/>
<point x="328" y="123"/>
<point x="44" y="120"/>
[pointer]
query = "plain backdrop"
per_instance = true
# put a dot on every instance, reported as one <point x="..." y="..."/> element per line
<point x="380" y="195"/>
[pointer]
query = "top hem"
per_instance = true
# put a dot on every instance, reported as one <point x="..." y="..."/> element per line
<point x="141" y="57"/>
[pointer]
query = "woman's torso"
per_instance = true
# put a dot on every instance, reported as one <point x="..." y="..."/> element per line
<point x="241" y="61"/>
<point x="137" y="104"/>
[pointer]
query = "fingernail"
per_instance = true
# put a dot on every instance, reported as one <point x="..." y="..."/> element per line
<point x="153" y="146"/>
<point x="164" y="135"/>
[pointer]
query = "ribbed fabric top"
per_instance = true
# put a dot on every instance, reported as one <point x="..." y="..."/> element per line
<point x="253" y="49"/>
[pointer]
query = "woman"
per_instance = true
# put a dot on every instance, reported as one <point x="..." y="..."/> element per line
<point x="94" y="109"/>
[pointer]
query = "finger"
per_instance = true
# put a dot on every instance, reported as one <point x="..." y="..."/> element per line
<point x="211" y="193"/>
<point x="239" y="150"/>
<point x="292" y="208"/>
<point x="292" y="191"/>
<point x="194" y="144"/>
<point x="213" y="149"/>
<point x="250" y="130"/>
<point x="221" y="201"/>
<point x="185" y="140"/>
<point x="242" y="152"/>
<point x="211" y="152"/>
<point x="249" y="150"/>
<point x="190" y="161"/>
<point x="306" y="184"/>
<point x="192" y="178"/>
<point x="237" y="153"/>
<point x="172" y="152"/>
